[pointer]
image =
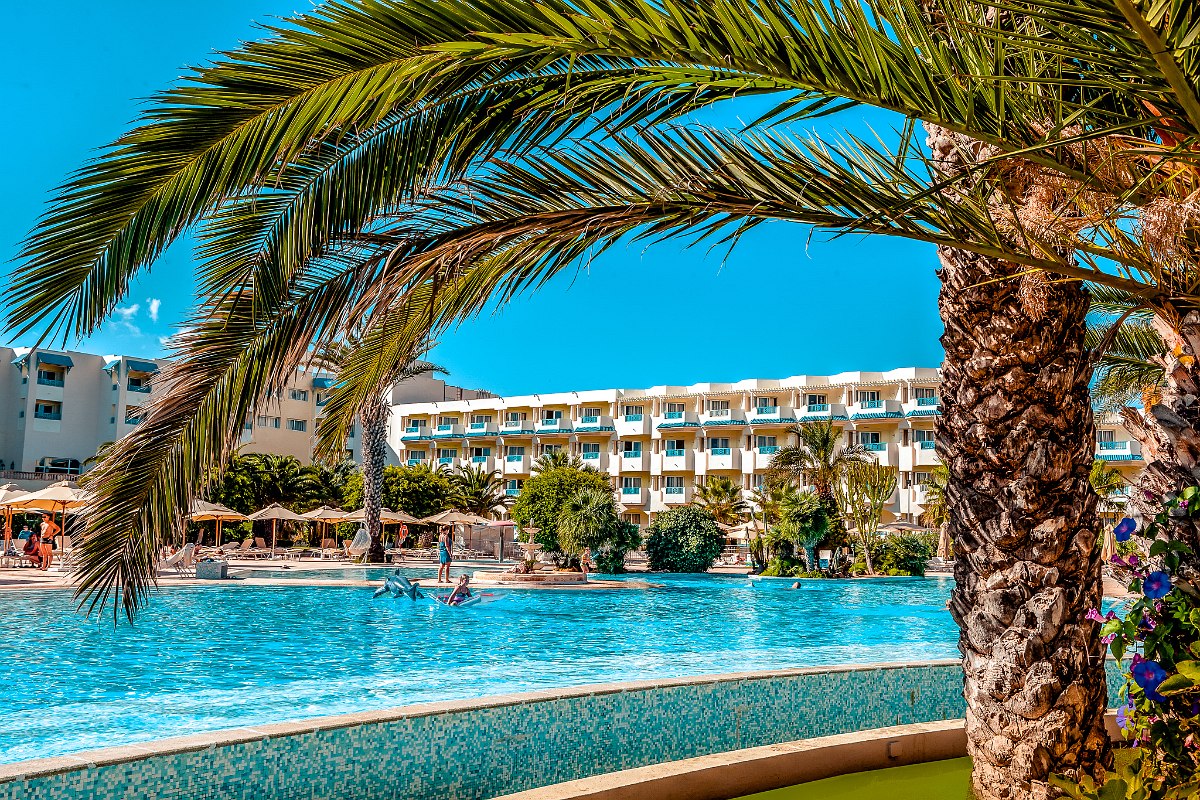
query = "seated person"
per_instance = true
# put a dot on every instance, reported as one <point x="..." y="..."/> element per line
<point x="461" y="593"/>
<point x="32" y="549"/>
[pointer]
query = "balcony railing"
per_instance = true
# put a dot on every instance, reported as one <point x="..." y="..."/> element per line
<point x="631" y="454"/>
<point x="633" y="417"/>
<point x="414" y="429"/>
<point x="479" y="459"/>
<point x="927" y="444"/>
<point x="478" y="426"/>
<point x="142" y="389"/>
<point x="870" y="403"/>
<point x="1114" y="445"/>
<point x="590" y="419"/>
<point x="720" y="451"/>
<point x="927" y="401"/>
<point x="324" y="401"/>
<point x="673" y="415"/>
<point x="719" y="412"/>
<point x="875" y="446"/>
<point x="512" y="492"/>
<point x="49" y="382"/>
<point x="57" y="415"/>
<point x="589" y="455"/>
<point x="446" y="460"/>
<point x="769" y="449"/>
<point x="673" y="490"/>
<point x="766" y="410"/>
<point x="817" y="408"/>
<point x="631" y="490"/>
<point x="511" y="459"/>
<point x="676" y="453"/>
<point x="414" y="462"/>
<point x="445" y="428"/>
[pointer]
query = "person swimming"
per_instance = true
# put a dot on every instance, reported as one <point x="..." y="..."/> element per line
<point x="461" y="593"/>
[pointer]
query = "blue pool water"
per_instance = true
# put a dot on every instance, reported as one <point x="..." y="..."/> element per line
<point x="222" y="656"/>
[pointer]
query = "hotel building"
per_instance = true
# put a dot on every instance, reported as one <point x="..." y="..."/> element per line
<point x="656" y="444"/>
<point x="62" y="406"/>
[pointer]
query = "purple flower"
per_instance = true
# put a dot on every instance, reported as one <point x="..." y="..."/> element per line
<point x="1149" y="495"/>
<point x="1107" y="639"/>
<point x="1123" y="714"/>
<point x="1157" y="584"/>
<point x="1148" y="675"/>
<point x="1183" y="503"/>
<point x="1094" y="615"/>
<point x="1124" y="529"/>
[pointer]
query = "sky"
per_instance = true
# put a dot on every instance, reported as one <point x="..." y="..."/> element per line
<point x="782" y="303"/>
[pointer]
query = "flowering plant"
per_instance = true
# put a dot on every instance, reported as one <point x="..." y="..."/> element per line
<point x="1159" y="631"/>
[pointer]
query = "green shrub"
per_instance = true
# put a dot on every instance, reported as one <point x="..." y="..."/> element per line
<point x="684" y="539"/>
<point x="900" y="554"/>
<point x="546" y="496"/>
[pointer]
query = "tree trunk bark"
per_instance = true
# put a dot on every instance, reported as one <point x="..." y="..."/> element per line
<point x="1016" y="434"/>
<point x="374" y="426"/>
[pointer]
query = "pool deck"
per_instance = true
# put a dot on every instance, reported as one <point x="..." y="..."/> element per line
<point x="22" y="578"/>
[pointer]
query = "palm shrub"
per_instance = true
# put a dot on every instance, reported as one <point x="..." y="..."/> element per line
<point x="545" y="497"/>
<point x="684" y="539"/>
<point x="819" y="457"/>
<point x="589" y="521"/>
<point x="475" y="490"/>
<point x="722" y="498"/>
<point x="902" y="554"/>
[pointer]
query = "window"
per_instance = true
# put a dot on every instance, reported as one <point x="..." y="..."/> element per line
<point x="446" y="453"/>
<point x="871" y="396"/>
<point x="481" y="419"/>
<point x="922" y="436"/>
<point x="513" y="487"/>
<point x="590" y="450"/>
<point x="138" y="385"/>
<point x="817" y="400"/>
<point x="715" y="407"/>
<point x="300" y="425"/>
<point x="632" y="518"/>
<point x="634" y="484"/>
<point x="920" y="478"/>
<point x="764" y="441"/>
<point x="720" y="443"/>
<point x="591" y="414"/>
<point x="58" y="466"/>
<point x="674" y="484"/>
<point x="515" y="416"/>
<point x="133" y="415"/>
<point x="675" y="447"/>
<point x="550" y="417"/>
<point x="248" y="425"/>
<point x="924" y="392"/>
<point x="514" y="450"/>
<point x="631" y="449"/>
<point x="414" y="425"/>
<point x="765" y="403"/>
<point x="1106" y="436"/>
<point x="868" y="437"/>
<point x="480" y="452"/>
<point x="298" y="394"/>
<point x="632" y="411"/>
<point x="44" y="409"/>
<point x="268" y="422"/>
<point x="447" y="421"/>
<point x="676" y="408"/>
<point x="49" y="377"/>
<point x="417" y="455"/>
<point x="551" y="448"/>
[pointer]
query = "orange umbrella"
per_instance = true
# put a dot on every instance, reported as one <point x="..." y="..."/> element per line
<point x="276" y="512"/>
<point x="203" y="511"/>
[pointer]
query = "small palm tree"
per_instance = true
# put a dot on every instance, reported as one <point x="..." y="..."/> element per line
<point x="1127" y="344"/>
<point x="586" y="518"/>
<point x="936" y="511"/>
<point x="805" y="518"/>
<point x="554" y="459"/>
<point x="477" y="491"/>
<point x="722" y="498"/>
<point x="818" y="457"/>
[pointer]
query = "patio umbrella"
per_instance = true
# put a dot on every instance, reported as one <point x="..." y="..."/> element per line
<point x="455" y="518"/>
<point x="1109" y="548"/>
<point x="945" y="547"/>
<point x="276" y="512"/>
<point x="8" y="493"/>
<point x="203" y="511"/>
<point x="386" y="517"/>
<point x="55" y="497"/>
<point x="323" y="515"/>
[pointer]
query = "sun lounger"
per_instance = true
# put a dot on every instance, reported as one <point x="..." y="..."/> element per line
<point x="181" y="563"/>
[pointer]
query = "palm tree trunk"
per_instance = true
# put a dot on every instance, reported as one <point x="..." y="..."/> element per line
<point x="374" y="426"/>
<point x="1016" y="435"/>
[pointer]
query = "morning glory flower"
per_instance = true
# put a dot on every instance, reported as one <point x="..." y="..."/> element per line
<point x="1123" y="714"/>
<point x="1148" y="675"/>
<point x="1094" y="615"/>
<point x="1157" y="584"/>
<point x="1124" y="529"/>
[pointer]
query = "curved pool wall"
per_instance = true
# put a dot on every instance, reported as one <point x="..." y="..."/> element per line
<point x="498" y="745"/>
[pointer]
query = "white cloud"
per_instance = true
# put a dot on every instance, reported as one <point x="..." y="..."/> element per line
<point x="127" y="313"/>
<point x="152" y="308"/>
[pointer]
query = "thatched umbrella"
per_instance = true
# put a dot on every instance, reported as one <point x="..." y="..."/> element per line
<point x="323" y="515"/>
<point x="203" y="511"/>
<point x="945" y="549"/>
<point x="276" y="512"/>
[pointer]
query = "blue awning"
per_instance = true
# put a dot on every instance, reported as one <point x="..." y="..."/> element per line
<point x="141" y="366"/>
<point x="714" y="423"/>
<point x="323" y="383"/>
<point x="664" y="425"/>
<point x="878" y="415"/>
<point x="924" y="412"/>
<point x="772" y="421"/>
<point x="110" y="366"/>
<point x="19" y="361"/>
<point x="598" y="429"/>
<point x="55" y="359"/>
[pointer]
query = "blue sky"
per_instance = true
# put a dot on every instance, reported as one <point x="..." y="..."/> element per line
<point x="780" y="304"/>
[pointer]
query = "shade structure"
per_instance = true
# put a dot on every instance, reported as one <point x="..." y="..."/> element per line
<point x="276" y="512"/>
<point x="9" y="493"/>
<point x="203" y="511"/>
<point x="456" y="518"/>
<point x="945" y="546"/>
<point x="55" y="497"/>
<point x="323" y="515"/>
<point x="386" y="516"/>
<point x="902" y="526"/>
<point x="1109" y="548"/>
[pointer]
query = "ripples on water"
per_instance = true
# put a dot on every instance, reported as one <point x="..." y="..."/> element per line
<point x="222" y="656"/>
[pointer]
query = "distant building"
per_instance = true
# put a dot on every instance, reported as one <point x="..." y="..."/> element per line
<point x="656" y="444"/>
<point x="60" y="407"/>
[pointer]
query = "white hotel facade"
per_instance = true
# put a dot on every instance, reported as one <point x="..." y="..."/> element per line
<point x="656" y="444"/>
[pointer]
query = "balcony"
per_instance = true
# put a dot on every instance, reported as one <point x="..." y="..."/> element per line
<point x="925" y="454"/>
<point x="54" y="415"/>
<point x="824" y="411"/>
<point x="597" y="460"/>
<point x="516" y="465"/>
<point x="675" y="495"/>
<point x="923" y="407"/>
<point x="449" y="431"/>
<point x="414" y="461"/>
<point x="483" y="461"/>
<point x="722" y="417"/>
<point x="677" y="419"/>
<point x="764" y="455"/>
<point x="632" y="424"/>
<point x="446" y="460"/>
<point x="512" y="492"/>
<point x="632" y="496"/>
<point x="876" y="409"/>
<point x="634" y="461"/>
<point x="414" y="432"/>
<point x="772" y="415"/>
<point x="482" y="429"/>
<point x="1119" y="451"/>
<point x="142" y="389"/>
<point x="592" y="423"/>
<point x="516" y="426"/>
<point x="885" y="453"/>
<point x="55" y="382"/>
<point x="553" y="426"/>
<point x="721" y="458"/>
<point x="678" y="461"/>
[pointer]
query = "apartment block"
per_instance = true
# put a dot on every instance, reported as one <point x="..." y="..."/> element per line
<point x="60" y="407"/>
<point x="656" y="444"/>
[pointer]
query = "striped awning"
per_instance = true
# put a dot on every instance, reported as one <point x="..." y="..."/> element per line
<point x="878" y="415"/>
<point x="141" y="366"/>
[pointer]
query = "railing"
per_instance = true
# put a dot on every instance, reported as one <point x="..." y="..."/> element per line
<point x="875" y="446"/>
<point x="446" y="460"/>
<point x="589" y="419"/>
<point x="720" y="451"/>
<point x="22" y="475"/>
<point x="413" y="429"/>
<point x="631" y="454"/>
<point x="676" y="453"/>
<point x="513" y="424"/>
<point x="139" y="389"/>
<point x="870" y="404"/>
<point x="322" y="402"/>
<point x="927" y="444"/>
<point x="815" y="408"/>
<point x="591" y="454"/>
<point x="553" y="422"/>
<point x="631" y="490"/>
<point x="49" y="382"/>
<point x="56" y="415"/>
<point x="1114" y="445"/>
<point x="442" y="428"/>
<point x="719" y="412"/>
<point x="766" y="409"/>
<point x="927" y="401"/>
<point x="414" y="462"/>
<point x="673" y="490"/>
<point x="633" y="417"/>
<point x="512" y="492"/>
<point x="479" y="459"/>
<point x="769" y="449"/>
<point x="478" y="426"/>
<point x="511" y="459"/>
<point x="133" y="420"/>
<point x="673" y="415"/>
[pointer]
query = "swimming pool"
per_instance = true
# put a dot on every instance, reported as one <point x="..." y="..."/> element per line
<point x="208" y="657"/>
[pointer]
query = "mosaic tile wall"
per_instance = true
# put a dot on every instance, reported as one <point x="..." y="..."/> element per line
<point x="537" y="740"/>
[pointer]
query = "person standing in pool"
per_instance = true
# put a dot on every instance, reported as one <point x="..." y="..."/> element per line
<point x="445" y="543"/>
